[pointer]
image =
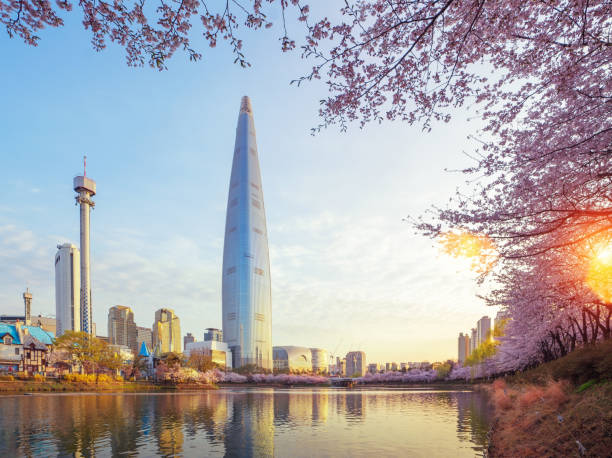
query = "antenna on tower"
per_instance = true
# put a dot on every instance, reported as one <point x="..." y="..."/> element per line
<point x="85" y="166"/>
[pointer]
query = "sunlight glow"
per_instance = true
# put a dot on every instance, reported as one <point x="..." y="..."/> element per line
<point x="599" y="275"/>
<point x="478" y="249"/>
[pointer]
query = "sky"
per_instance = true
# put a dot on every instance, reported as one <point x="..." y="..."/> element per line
<point x="348" y="272"/>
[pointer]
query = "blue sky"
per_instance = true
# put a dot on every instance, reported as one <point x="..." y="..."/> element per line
<point x="347" y="272"/>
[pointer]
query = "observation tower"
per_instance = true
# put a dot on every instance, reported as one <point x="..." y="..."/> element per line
<point x="85" y="188"/>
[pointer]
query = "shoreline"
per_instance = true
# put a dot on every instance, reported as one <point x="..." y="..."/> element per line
<point x="24" y="387"/>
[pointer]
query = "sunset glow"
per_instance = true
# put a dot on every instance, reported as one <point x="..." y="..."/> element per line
<point x="599" y="275"/>
<point x="479" y="249"/>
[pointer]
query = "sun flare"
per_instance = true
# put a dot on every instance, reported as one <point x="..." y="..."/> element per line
<point x="599" y="275"/>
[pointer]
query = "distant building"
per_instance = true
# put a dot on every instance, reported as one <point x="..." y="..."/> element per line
<point x="167" y="331"/>
<point x="213" y="334"/>
<point x="122" y="328"/>
<point x="388" y="367"/>
<point x="373" y="368"/>
<point x="144" y="335"/>
<point x="501" y="317"/>
<point x="356" y="363"/>
<point x="483" y="329"/>
<point x="125" y="353"/>
<point x="320" y="361"/>
<point x="188" y="339"/>
<point x="394" y="367"/>
<point x="218" y="351"/>
<point x="463" y="347"/>
<point x="67" y="288"/>
<point x="473" y="340"/>
<point x="292" y="359"/>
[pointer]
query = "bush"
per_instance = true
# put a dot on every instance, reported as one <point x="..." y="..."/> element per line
<point x="118" y="378"/>
<point x="39" y="378"/>
<point x="7" y="378"/>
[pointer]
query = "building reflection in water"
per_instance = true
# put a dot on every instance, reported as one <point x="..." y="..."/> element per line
<point x="244" y="422"/>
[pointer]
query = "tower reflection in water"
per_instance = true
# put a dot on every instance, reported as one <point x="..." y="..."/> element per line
<point x="243" y="422"/>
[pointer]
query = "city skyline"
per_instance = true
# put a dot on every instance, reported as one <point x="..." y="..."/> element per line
<point x="342" y="259"/>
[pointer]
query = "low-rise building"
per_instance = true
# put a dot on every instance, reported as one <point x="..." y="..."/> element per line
<point x="218" y="351"/>
<point x="24" y="348"/>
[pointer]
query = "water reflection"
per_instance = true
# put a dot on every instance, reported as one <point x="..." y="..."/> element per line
<point x="246" y="422"/>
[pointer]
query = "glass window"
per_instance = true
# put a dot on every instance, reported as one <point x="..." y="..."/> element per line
<point x="233" y="202"/>
<point x="259" y="231"/>
<point x="230" y="270"/>
<point x="259" y="271"/>
<point x="17" y="350"/>
<point x="255" y="203"/>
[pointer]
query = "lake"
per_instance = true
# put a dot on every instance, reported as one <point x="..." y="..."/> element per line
<point x="298" y="422"/>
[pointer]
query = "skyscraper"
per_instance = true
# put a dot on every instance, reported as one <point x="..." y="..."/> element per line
<point x="67" y="289"/>
<point x="356" y="363"/>
<point x="122" y="328"/>
<point x="483" y="327"/>
<point x="246" y="296"/>
<point x="463" y="347"/>
<point x="167" y="331"/>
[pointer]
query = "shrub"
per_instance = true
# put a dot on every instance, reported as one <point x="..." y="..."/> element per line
<point x="39" y="377"/>
<point x="7" y="378"/>
<point x="102" y="378"/>
<point x="118" y="378"/>
<point x="22" y="375"/>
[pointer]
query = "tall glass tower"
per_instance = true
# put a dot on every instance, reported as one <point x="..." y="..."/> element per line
<point x="247" y="304"/>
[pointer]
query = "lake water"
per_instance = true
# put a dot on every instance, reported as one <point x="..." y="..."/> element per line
<point x="247" y="422"/>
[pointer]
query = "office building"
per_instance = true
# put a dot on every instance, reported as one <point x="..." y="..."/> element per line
<point x="213" y="334"/>
<point x="356" y="363"/>
<point x="144" y="335"/>
<point x="167" y="331"/>
<point x="246" y="296"/>
<point x="67" y="288"/>
<point x="122" y="328"/>
<point x="188" y="339"/>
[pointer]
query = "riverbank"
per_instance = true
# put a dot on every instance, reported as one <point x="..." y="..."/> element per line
<point x="561" y="408"/>
<point x="53" y="386"/>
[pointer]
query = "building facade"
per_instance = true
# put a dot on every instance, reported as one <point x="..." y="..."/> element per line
<point x="483" y="330"/>
<point x="292" y="359"/>
<point x="24" y="348"/>
<point x="246" y="294"/>
<point x="219" y="352"/>
<point x="213" y="334"/>
<point x="144" y="335"/>
<point x="463" y="347"/>
<point x="356" y="363"/>
<point x="166" y="331"/>
<point x="473" y="340"/>
<point x="320" y="361"/>
<point x="122" y="328"/>
<point x="188" y="339"/>
<point x="67" y="289"/>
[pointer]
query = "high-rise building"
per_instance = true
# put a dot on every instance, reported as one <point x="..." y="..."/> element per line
<point x="320" y="360"/>
<point x="473" y="340"/>
<point x="167" y="331"/>
<point x="122" y="328"/>
<point x="463" y="347"/>
<point x="213" y="334"/>
<point x="86" y="189"/>
<point x="188" y="339"/>
<point x="483" y="327"/>
<point x="356" y="363"/>
<point x="67" y="289"/>
<point x="246" y="296"/>
<point x="144" y="335"/>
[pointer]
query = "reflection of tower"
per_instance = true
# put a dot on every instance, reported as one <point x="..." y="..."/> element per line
<point x="27" y="300"/>
<point x="246" y="296"/>
<point x="86" y="189"/>
<point x="250" y="429"/>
